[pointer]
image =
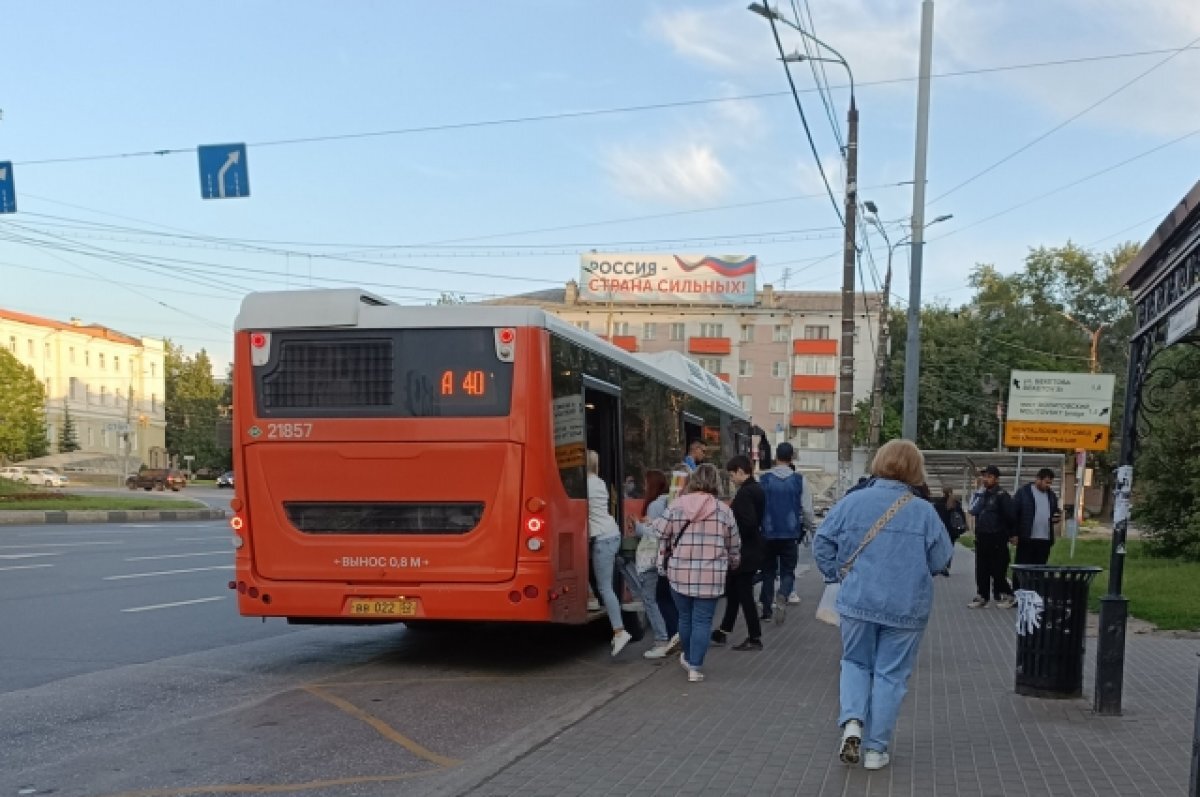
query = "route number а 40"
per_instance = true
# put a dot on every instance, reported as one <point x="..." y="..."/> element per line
<point x="474" y="383"/>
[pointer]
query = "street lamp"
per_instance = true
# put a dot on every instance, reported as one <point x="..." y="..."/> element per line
<point x="876" y="428"/>
<point x="845" y="425"/>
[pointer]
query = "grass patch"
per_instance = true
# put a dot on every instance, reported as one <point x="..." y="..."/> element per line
<point x="1165" y="592"/>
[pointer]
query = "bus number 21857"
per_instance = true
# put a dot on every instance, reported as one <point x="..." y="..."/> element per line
<point x="288" y="431"/>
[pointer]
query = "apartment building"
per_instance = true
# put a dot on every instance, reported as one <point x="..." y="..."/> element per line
<point x="780" y="352"/>
<point x="113" y="385"/>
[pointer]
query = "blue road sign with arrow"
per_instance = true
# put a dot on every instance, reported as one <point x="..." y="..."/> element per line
<point x="224" y="172"/>
<point x="8" y="188"/>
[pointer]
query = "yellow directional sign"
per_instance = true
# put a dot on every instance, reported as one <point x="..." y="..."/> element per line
<point x="1039" y="434"/>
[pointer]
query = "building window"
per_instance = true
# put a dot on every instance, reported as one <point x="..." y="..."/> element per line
<point x="677" y="331"/>
<point x="810" y="439"/>
<point x="582" y="325"/>
<point x="116" y="364"/>
<point x="811" y="402"/>
<point x="12" y="343"/>
<point x="779" y="369"/>
<point x="120" y="399"/>
<point x="71" y="355"/>
<point x="103" y="396"/>
<point x="104" y="438"/>
<point x="746" y="368"/>
<point x="46" y="351"/>
<point x="91" y="437"/>
<point x="783" y="333"/>
<point x="100" y="360"/>
<point x="73" y="389"/>
<point x="710" y="364"/>
<point x="29" y="346"/>
<point x="154" y="402"/>
<point x="648" y="331"/>
<point x="747" y="333"/>
<point x="712" y="330"/>
<point x="87" y="358"/>
<point x="816" y="333"/>
<point x="778" y="404"/>
<point x="620" y="328"/>
<point x="153" y="370"/>
<point x="747" y="402"/>
<point x="815" y="366"/>
<point x="49" y="394"/>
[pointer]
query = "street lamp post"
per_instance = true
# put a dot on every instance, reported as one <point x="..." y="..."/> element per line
<point x="885" y="334"/>
<point x="850" y="249"/>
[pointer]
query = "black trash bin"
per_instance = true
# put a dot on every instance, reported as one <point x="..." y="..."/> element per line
<point x="1050" y="658"/>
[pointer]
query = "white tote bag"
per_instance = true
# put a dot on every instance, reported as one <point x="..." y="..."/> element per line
<point x="827" y="609"/>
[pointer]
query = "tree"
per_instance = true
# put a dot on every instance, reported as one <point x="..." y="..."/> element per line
<point x="22" y="411"/>
<point x="192" y="407"/>
<point x="69" y="439"/>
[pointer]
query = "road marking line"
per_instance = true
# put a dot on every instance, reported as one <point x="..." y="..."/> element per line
<point x="173" y="605"/>
<point x="385" y="730"/>
<point x="163" y="556"/>
<point x="28" y="555"/>
<point x="166" y="572"/>
<point x="274" y="788"/>
<point x="203" y="539"/>
<point x="24" y="567"/>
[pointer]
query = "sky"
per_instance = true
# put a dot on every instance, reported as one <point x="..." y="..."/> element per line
<point x="479" y="148"/>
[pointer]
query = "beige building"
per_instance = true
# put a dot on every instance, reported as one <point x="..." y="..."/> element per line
<point x="113" y="385"/>
<point x="779" y="354"/>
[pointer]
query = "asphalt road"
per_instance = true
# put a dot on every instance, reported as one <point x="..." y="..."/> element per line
<point x="213" y="497"/>
<point x="124" y="667"/>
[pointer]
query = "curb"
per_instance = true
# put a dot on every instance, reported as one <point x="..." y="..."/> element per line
<point x="27" y="517"/>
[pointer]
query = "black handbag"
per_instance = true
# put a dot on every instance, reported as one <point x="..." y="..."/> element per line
<point x="671" y="548"/>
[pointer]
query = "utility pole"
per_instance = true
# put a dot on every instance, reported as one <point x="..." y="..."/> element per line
<point x="912" y="350"/>
<point x="885" y="339"/>
<point x="846" y="408"/>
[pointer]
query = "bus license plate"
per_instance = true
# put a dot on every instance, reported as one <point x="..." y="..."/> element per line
<point x="383" y="607"/>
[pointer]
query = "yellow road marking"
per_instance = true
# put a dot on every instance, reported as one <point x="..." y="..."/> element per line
<point x="270" y="788"/>
<point x="385" y="730"/>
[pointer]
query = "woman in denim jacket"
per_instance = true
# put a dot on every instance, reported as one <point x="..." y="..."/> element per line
<point x="885" y="595"/>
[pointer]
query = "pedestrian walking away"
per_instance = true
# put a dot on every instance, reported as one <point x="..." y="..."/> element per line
<point x="953" y="516"/>
<point x="995" y="517"/>
<point x="883" y="546"/>
<point x="699" y="545"/>
<point x="1037" y="516"/>
<point x="605" y="538"/>
<point x="748" y="506"/>
<point x="788" y="517"/>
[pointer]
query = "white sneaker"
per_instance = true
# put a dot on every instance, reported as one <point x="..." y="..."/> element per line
<point x="873" y="759"/>
<point x="794" y="599"/>
<point x="851" y="742"/>
<point x="683" y="663"/>
<point x="695" y="676"/>
<point x="673" y="645"/>
<point x="659" y="651"/>
<point x="620" y="640"/>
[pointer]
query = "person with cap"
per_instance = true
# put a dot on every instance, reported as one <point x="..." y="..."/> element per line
<point x="787" y="518"/>
<point x="995" y="522"/>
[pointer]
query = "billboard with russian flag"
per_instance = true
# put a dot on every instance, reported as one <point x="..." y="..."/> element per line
<point x="667" y="279"/>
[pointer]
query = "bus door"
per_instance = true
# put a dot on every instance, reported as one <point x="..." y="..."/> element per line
<point x="605" y="437"/>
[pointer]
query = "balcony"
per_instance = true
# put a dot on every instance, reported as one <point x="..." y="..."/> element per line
<point x="626" y="342"/>
<point x="813" y="420"/>
<point x="814" y="384"/>
<point x="827" y="347"/>
<point x="710" y="346"/>
<point x="723" y="377"/>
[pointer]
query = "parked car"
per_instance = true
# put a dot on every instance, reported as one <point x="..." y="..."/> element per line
<point x="45" y="477"/>
<point x="225" y="479"/>
<point x="13" y="473"/>
<point x="157" y="479"/>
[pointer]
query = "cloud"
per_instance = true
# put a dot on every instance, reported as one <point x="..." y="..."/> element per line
<point x="717" y="37"/>
<point x="686" y="173"/>
<point x="808" y="177"/>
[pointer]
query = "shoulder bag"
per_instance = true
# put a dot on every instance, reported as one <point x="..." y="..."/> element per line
<point x="671" y="546"/>
<point x="827" y="607"/>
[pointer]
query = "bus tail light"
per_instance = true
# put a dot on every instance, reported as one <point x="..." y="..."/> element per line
<point x="506" y="344"/>
<point x="534" y="525"/>
<point x="260" y="348"/>
<point x="236" y="523"/>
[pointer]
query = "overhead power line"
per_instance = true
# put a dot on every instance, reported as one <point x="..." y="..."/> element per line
<point x="564" y="115"/>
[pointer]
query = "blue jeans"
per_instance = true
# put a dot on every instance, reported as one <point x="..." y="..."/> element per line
<point x="666" y="606"/>
<point x="876" y="663"/>
<point x="644" y="585"/>
<point x="695" y="626"/>
<point x="782" y="556"/>
<point x="604" y="562"/>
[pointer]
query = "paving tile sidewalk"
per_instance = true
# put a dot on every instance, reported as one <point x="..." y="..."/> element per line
<point x="764" y="723"/>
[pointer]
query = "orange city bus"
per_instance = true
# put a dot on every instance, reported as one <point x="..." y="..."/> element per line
<point x="428" y="463"/>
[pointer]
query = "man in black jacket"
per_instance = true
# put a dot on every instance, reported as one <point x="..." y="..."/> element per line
<point x="1037" y="515"/>
<point x="748" y="506"/>
<point x="994" y="525"/>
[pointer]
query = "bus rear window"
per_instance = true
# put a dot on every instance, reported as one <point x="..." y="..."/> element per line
<point x="402" y="373"/>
